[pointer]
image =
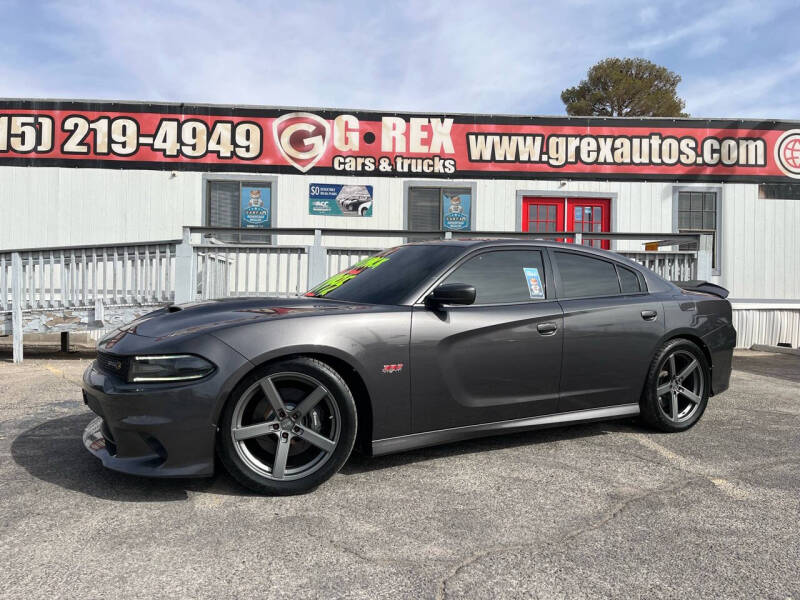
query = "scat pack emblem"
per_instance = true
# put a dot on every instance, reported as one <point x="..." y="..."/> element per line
<point x="395" y="368"/>
<point x="301" y="138"/>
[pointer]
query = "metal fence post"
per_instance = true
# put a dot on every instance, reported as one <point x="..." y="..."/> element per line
<point x="705" y="249"/>
<point x="317" y="261"/>
<point x="16" y="306"/>
<point x="185" y="271"/>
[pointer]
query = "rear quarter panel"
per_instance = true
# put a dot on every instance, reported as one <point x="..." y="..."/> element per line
<point x="709" y="318"/>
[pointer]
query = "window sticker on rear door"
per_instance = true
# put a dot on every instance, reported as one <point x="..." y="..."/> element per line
<point x="535" y="287"/>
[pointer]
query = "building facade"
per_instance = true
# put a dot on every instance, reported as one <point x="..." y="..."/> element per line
<point x="76" y="173"/>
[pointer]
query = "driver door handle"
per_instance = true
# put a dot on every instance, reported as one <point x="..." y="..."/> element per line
<point x="649" y="315"/>
<point x="547" y="328"/>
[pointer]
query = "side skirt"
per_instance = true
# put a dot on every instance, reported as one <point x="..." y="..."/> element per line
<point x="443" y="436"/>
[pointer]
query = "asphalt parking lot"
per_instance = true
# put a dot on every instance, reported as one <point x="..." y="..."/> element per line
<point x="602" y="510"/>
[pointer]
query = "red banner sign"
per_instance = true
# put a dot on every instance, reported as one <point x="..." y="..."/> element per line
<point x="203" y="138"/>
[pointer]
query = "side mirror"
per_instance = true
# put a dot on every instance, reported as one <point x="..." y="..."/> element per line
<point x="451" y="293"/>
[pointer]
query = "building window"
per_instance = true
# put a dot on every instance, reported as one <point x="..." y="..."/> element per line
<point x="698" y="213"/>
<point x="439" y="208"/>
<point x="242" y="204"/>
<point x="541" y="217"/>
<point x="779" y="191"/>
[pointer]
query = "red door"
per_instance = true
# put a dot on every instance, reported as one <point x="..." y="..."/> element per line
<point x="542" y="214"/>
<point x="587" y="215"/>
<point x="568" y="214"/>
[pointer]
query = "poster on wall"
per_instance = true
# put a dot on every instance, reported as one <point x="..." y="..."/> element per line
<point x="456" y="210"/>
<point x="256" y="207"/>
<point x="338" y="200"/>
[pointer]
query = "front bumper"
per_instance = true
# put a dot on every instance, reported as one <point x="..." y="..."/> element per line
<point x="159" y="430"/>
<point x="96" y="441"/>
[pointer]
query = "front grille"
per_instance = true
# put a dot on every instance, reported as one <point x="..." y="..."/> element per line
<point x="112" y="364"/>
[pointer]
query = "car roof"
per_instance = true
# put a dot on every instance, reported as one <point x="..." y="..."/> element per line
<point x="654" y="281"/>
<point x="511" y="241"/>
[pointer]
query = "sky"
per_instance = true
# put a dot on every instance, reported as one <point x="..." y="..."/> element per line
<point x="737" y="58"/>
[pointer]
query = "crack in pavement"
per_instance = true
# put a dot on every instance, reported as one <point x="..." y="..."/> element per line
<point x="598" y="522"/>
<point x="394" y="564"/>
<point x="671" y="459"/>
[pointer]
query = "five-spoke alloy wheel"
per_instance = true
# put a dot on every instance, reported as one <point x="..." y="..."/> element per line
<point x="680" y="386"/>
<point x="288" y="427"/>
<point x="676" y="391"/>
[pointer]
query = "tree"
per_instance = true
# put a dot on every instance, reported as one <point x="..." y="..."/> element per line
<point x="626" y="87"/>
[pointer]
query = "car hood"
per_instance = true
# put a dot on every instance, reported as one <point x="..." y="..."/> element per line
<point x="202" y="317"/>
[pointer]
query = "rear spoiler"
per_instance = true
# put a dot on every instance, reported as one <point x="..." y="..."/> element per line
<point x="705" y="287"/>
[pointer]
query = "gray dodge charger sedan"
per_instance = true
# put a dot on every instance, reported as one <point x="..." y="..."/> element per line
<point x="418" y="345"/>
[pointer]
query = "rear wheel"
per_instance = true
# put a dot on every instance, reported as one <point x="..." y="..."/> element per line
<point x="288" y="427"/>
<point x="676" y="391"/>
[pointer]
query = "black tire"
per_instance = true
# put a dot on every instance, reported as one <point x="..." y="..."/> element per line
<point x="681" y="406"/>
<point x="332" y="421"/>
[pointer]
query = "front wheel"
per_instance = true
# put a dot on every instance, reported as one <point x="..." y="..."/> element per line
<point x="677" y="387"/>
<point x="288" y="427"/>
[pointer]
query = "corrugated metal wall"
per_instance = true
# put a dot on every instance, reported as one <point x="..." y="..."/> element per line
<point x="761" y="245"/>
<point x="767" y="326"/>
<point x="45" y="206"/>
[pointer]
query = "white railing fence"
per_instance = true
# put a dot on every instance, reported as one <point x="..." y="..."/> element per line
<point x="110" y="279"/>
<point x="674" y="266"/>
<point x="242" y="270"/>
<point x="5" y="281"/>
<point x="338" y="259"/>
<point x="81" y="277"/>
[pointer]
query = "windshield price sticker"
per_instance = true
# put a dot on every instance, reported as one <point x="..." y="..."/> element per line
<point x="534" y="282"/>
<point x="340" y="279"/>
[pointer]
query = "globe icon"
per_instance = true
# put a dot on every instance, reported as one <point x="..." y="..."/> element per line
<point x="791" y="153"/>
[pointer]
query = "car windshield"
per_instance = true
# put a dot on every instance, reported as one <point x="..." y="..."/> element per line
<point x="388" y="277"/>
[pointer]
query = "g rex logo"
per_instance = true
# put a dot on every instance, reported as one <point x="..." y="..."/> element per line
<point x="301" y="137"/>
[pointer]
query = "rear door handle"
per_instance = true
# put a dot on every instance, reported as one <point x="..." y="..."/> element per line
<point x="547" y="328"/>
<point x="649" y="315"/>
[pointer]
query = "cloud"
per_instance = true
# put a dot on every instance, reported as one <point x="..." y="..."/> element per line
<point x="415" y="55"/>
<point x="707" y="45"/>
<point x="713" y="23"/>
<point x="761" y="92"/>
<point x="648" y="15"/>
<point x="508" y="56"/>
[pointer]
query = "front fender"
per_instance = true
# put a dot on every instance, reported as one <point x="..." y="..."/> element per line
<point x="369" y="343"/>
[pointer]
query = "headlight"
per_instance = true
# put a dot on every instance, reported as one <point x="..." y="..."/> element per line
<point x="175" y="367"/>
